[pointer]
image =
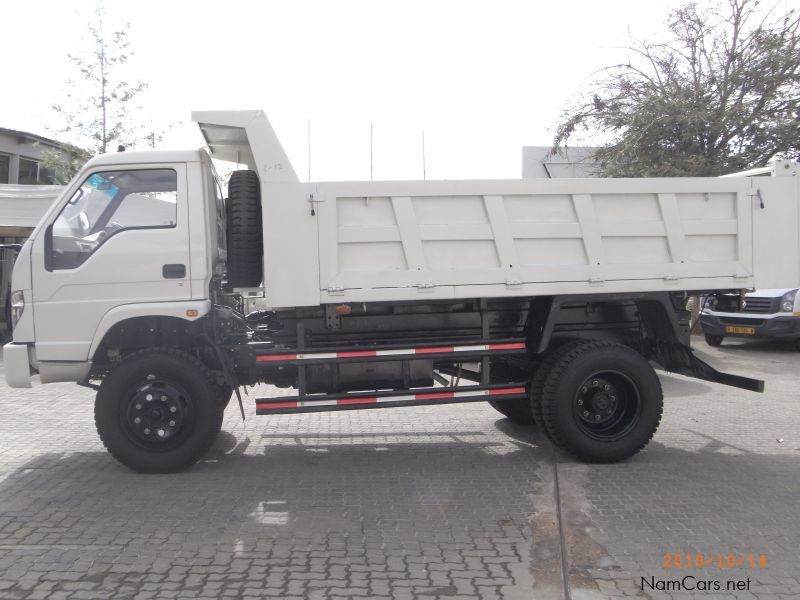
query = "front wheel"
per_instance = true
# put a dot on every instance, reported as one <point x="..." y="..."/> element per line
<point x="157" y="412"/>
<point x="601" y="401"/>
<point x="713" y="340"/>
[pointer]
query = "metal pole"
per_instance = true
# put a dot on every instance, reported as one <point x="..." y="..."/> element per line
<point x="424" y="173"/>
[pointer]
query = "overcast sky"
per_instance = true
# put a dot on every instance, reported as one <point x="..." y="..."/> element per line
<point x="481" y="79"/>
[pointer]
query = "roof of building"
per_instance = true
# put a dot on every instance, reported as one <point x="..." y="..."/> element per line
<point x="32" y="137"/>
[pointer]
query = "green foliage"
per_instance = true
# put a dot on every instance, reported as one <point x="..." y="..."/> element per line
<point x="61" y="166"/>
<point x="722" y="95"/>
<point x="98" y="106"/>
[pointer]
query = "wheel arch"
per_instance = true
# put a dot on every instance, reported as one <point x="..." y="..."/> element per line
<point x="625" y="318"/>
<point x="127" y="321"/>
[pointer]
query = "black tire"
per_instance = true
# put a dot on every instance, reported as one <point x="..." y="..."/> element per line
<point x="601" y="401"/>
<point x="183" y="419"/>
<point x="245" y="236"/>
<point x="539" y="377"/>
<point x="517" y="410"/>
<point x="713" y="340"/>
<point x="224" y="396"/>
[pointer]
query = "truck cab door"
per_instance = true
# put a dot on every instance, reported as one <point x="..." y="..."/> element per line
<point x="121" y="238"/>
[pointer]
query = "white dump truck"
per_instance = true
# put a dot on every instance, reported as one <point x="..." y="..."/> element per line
<point x="548" y="299"/>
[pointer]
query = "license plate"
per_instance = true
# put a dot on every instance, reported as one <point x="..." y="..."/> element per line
<point x="741" y="330"/>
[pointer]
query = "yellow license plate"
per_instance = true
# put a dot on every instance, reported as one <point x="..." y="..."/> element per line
<point x="741" y="330"/>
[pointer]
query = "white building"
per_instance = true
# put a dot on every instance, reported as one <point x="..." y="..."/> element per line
<point x="20" y="156"/>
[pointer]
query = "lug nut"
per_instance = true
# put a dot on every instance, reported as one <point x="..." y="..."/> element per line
<point x="580" y="402"/>
<point x="606" y="387"/>
<point x="163" y="398"/>
<point x="172" y="423"/>
<point x="586" y="413"/>
<point x="138" y="407"/>
<point x="584" y="389"/>
<point x="137" y="420"/>
<point x="161" y="433"/>
<point x="597" y="417"/>
<point x="595" y="383"/>
<point x="148" y="397"/>
<point x="172" y="409"/>
<point x="147" y="431"/>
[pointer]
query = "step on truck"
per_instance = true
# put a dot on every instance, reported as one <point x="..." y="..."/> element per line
<point x="549" y="299"/>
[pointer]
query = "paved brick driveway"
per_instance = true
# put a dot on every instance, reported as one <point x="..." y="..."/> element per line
<point x="440" y="502"/>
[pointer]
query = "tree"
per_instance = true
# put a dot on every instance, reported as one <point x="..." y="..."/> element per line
<point x="60" y="165"/>
<point x="98" y="110"/>
<point x="722" y="94"/>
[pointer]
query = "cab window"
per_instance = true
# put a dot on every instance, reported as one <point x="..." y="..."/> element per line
<point x="107" y="204"/>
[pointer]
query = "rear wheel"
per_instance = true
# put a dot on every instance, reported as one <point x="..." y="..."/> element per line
<point x="538" y="380"/>
<point x="713" y="340"/>
<point x="518" y="410"/>
<point x="600" y="401"/>
<point x="158" y="411"/>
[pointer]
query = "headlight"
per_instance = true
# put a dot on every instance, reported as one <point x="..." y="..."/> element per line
<point x="17" y="307"/>
<point x="787" y="301"/>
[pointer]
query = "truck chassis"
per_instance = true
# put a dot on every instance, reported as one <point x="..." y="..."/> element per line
<point x="577" y="366"/>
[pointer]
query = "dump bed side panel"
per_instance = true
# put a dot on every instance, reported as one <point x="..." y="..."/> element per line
<point x="776" y="231"/>
<point x="401" y="241"/>
<point x="413" y="240"/>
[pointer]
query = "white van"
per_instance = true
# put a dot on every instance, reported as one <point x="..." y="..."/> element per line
<point x="763" y="314"/>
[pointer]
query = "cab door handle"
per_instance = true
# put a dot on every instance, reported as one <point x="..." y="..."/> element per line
<point x="173" y="271"/>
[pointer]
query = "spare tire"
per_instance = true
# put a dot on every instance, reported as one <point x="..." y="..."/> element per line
<point x="245" y="236"/>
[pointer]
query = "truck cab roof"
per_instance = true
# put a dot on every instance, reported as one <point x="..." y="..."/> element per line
<point x="146" y="156"/>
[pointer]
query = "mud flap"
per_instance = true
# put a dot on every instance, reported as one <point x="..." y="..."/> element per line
<point x="678" y="358"/>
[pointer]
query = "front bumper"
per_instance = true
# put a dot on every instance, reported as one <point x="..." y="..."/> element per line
<point x="17" y="365"/>
<point x="779" y="328"/>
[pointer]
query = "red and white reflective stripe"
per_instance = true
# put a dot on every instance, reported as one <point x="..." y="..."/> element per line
<point x="396" y="352"/>
<point x="402" y="398"/>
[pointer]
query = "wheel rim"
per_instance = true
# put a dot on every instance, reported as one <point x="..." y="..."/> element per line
<point x="607" y="405"/>
<point x="158" y="414"/>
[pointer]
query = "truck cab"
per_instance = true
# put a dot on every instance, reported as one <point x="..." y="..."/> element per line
<point x="133" y="235"/>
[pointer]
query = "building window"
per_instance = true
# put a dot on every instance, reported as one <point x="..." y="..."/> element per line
<point x="5" y="167"/>
<point x="28" y="171"/>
